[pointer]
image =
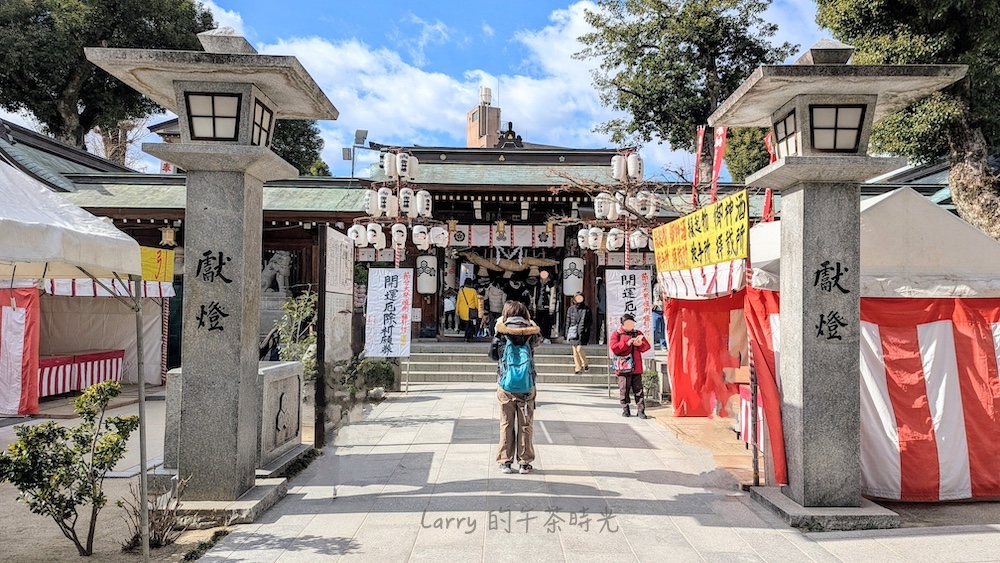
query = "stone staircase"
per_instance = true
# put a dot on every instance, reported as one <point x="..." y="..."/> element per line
<point x="468" y="362"/>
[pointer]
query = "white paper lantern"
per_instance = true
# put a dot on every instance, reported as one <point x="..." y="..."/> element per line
<point x="633" y="204"/>
<point x="427" y="275"/>
<point x="359" y="235"/>
<point x="652" y="246"/>
<point x="407" y="202"/>
<point x="420" y="237"/>
<point x="616" y="239"/>
<point x="572" y="276"/>
<point x="595" y="238"/>
<point x="372" y="232"/>
<point x="398" y="235"/>
<point x="621" y="199"/>
<point x="652" y="207"/>
<point x="385" y="198"/>
<point x="642" y="202"/>
<point x="618" y="170"/>
<point x="412" y="167"/>
<point x="371" y="203"/>
<point x="402" y="161"/>
<point x="638" y="239"/>
<point x="439" y="237"/>
<point x="380" y="240"/>
<point x="614" y="209"/>
<point x="389" y="164"/>
<point x="425" y="203"/>
<point x="602" y="205"/>
<point x="393" y="207"/>
<point x="581" y="239"/>
<point x="635" y="166"/>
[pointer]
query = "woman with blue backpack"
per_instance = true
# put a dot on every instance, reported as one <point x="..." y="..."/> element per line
<point x="513" y="347"/>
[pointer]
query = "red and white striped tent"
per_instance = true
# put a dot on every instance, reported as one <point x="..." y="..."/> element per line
<point x="930" y="346"/>
<point x="44" y="236"/>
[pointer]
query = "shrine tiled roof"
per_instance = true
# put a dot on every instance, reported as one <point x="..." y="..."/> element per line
<point x="170" y="192"/>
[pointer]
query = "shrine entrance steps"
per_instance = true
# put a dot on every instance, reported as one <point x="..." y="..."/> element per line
<point x="468" y="362"/>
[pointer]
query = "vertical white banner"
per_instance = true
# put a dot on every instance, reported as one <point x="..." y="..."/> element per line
<point x="13" y="323"/>
<point x="387" y="317"/>
<point x="630" y="291"/>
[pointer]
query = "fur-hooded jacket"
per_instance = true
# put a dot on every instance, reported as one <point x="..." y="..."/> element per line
<point x="515" y="329"/>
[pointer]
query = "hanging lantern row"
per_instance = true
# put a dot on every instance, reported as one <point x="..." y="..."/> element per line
<point x="373" y="234"/>
<point x="626" y="166"/>
<point x="400" y="166"/>
<point x="384" y="203"/>
<point x="595" y="238"/>
<point x="615" y="207"/>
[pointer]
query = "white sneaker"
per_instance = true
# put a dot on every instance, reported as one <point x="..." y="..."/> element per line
<point x="546" y="341"/>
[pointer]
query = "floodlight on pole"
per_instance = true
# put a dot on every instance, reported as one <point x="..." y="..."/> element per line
<point x="360" y="136"/>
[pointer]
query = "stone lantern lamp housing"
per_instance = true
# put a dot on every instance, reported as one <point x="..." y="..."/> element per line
<point x="822" y="80"/>
<point x="228" y="71"/>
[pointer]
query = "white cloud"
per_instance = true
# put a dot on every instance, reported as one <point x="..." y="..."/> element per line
<point x="436" y="33"/>
<point x="488" y="31"/>
<point x="226" y="18"/>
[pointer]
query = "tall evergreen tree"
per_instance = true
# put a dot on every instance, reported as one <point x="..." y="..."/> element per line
<point x="961" y="125"/>
<point x="43" y="69"/>
<point x="298" y="142"/>
<point x="668" y="64"/>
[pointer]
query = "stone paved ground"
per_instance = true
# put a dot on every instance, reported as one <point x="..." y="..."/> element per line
<point x="417" y="481"/>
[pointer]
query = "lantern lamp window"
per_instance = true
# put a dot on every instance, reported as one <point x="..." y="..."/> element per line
<point x="263" y="120"/>
<point x="213" y="117"/>
<point x="784" y="134"/>
<point x="836" y="128"/>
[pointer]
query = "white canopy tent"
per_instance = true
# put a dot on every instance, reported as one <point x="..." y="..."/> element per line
<point x="43" y="236"/>
<point x="910" y="247"/>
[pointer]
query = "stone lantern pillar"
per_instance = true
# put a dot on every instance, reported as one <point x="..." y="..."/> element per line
<point x="821" y="111"/>
<point x="227" y="100"/>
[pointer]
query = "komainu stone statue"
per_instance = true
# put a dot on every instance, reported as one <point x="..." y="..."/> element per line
<point x="274" y="278"/>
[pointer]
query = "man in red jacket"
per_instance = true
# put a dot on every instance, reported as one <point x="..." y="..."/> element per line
<point x="628" y="344"/>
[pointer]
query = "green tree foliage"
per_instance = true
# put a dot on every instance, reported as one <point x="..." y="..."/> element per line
<point x="318" y="168"/>
<point x="43" y="69"/>
<point x="746" y="152"/>
<point x="297" y="332"/>
<point x="668" y="64"/>
<point x="962" y="124"/>
<point x="57" y="469"/>
<point x="298" y="142"/>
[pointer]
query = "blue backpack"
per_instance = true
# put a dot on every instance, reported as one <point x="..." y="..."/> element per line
<point x="517" y="368"/>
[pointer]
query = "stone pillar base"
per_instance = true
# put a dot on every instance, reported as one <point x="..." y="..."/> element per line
<point x="869" y="516"/>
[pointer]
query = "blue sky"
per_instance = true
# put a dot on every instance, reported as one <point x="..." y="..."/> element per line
<point x="409" y="71"/>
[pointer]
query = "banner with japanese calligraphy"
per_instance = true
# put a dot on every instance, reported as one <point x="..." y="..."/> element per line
<point x="714" y="234"/>
<point x="630" y="291"/>
<point x="387" y="316"/>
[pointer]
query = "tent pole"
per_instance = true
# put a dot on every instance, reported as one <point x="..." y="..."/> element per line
<point x="143" y="482"/>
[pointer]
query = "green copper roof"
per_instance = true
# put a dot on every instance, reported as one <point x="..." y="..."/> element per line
<point x="508" y="174"/>
<point x="41" y="164"/>
<point x="138" y="196"/>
